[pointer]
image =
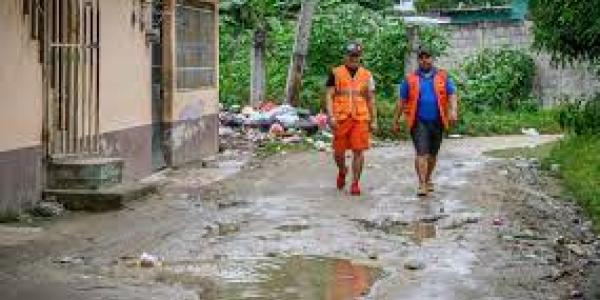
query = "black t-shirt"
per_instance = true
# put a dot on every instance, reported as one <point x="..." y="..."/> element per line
<point x="331" y="78"/>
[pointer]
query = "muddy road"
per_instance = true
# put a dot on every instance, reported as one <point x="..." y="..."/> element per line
<point x="494" y="229"/>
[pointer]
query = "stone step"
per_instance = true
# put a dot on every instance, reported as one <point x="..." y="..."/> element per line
<point x="84" y="173"/>
<point x="103" y="199"/>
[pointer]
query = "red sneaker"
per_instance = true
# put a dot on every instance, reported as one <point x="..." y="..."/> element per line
<point x="341" y="180"/>
<point x="355" y="189"/>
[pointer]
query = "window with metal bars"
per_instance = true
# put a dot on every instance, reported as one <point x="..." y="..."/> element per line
<point x="196" y="45"/>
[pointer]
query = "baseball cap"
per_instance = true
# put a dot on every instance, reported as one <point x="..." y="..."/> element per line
<point x="354" y="48"/>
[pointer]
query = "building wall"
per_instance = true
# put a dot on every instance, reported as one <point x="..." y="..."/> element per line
<point x="125" y="90"/>
<point x="20" y="111"/>
<point x="192" y="115"/>
<point x="125" y="115"/>
<point x="551" y="82"/>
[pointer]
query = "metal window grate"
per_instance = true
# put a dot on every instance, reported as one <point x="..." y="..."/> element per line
<point x="196" y="46"/>
<point x="71" y="74"/>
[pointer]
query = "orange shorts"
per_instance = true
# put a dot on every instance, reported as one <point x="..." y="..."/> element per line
<point x="351" y="135"/>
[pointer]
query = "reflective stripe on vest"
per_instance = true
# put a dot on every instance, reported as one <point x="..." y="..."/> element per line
<point x="441" y="94"/>
<point x="349" y="99"/>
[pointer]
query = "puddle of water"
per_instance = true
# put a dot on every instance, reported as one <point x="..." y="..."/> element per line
<point x="277" y="278"/>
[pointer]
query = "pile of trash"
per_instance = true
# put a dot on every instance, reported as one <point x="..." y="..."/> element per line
<point x="270" y="122"/>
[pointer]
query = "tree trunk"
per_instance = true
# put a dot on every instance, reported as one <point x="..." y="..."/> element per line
<point x="258" y="70"/>
<point x="297" y="64"/>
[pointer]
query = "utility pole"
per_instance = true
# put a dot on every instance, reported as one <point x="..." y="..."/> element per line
<point x="258" y="70"/>
<point x="298" y="62"/>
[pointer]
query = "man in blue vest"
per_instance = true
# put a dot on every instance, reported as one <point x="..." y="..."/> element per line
<point x="430" y="105"/>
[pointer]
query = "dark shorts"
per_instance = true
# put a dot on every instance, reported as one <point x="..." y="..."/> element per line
<point x="427" y="137"/>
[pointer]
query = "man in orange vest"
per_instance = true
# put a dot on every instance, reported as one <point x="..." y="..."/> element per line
<point x="350" y="101"/>
<point x="430" y="106"/>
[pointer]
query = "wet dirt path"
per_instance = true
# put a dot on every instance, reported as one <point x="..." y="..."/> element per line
<point x="283" y="231"/>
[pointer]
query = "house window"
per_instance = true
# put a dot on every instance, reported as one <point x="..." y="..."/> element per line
<point x="196" y="45"/>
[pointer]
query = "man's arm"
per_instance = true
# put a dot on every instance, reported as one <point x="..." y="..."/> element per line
<point x="372" y="109"/>
<point x="399" y="109"/>
<point x="329" y="104"/>
<point x="371" y="104"/>
<point x="452" y="101"/>
<point x="330" y="87"/>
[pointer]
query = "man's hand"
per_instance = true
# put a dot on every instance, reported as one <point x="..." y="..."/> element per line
<point x="333" y="123"/>
<point x="453" y="117"/>
<point x="396" y="126"/>
<point x="453" y="110"/>
<point x="373" y="126"/>
<point x="397" y="116"/>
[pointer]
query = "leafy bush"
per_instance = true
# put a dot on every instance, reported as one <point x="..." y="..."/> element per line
<point x="234" y="63"/>
<point x="497" y="80"/>
<point x="582" y="116"/>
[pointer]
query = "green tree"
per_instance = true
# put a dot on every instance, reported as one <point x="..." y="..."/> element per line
<point x="568" y="30"/>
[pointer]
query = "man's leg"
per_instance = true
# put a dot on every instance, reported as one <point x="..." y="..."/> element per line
<point x="340" y="144"/>
<point x="358" y="162"/>
<point x="420" y="139"/>
<point x="422" y="168"/>
<point x="435" y="141"/>
<point x="340" y="160"/>
<point x="359" y="142"/>
<point x="431" y="163"/>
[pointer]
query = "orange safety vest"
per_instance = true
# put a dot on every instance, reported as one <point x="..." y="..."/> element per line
<point x="350" y="97"/>
<point x="411" y="104"/>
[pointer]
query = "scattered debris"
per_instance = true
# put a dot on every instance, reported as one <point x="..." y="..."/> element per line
<point x="461" y="220"/>
<point x="576" y="294"/>
<point x="293" y="227"/>
<point x="577" y="249"/>
<point x="414" y="264"/>
<point x="149" y="261"/>
<point x="271" y="123"/>
<point x="276" y="130"/>
<point x="221" y="229"/>
<point x="498" y="222"/>
<point x="530" y="131"/>
<point x="47" y="209"/>
<point x="68" y="260"/>
<point x="210" y="162"/>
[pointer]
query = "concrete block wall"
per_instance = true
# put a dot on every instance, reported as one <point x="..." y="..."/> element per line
<point x="551" y="83"/>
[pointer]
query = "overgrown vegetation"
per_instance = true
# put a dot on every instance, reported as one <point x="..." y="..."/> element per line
<point x="334" y="24"/>
<point x="497" y="80"/>
<point x="579" y="164"/>
<point x="570" y="31"/>
<point x="495" y="88"/>
<point x="581" y="117"/>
